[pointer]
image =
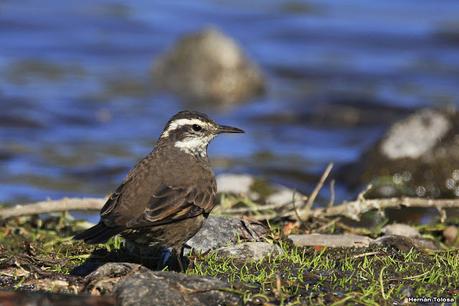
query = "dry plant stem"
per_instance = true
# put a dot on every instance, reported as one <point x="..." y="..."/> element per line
<point x="366" y="254"/>
<point x="442" y="213"/>
<point x="328" y="224"/>
<point x="332" y="194"/>
<point x="296" y="210"/>
<point x="351" y="209"/>
<point x="257" y="208"/>
<point x="316" y="191"/>
<point x="50" y="206"/>
<point x="354" y="209"/>
<point x="353" y="230"/>
<point x="361" y="195"/>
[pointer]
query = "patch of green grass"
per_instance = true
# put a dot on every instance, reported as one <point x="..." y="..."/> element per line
<point x="33" y="250"/>
<point x="369" y="276"/>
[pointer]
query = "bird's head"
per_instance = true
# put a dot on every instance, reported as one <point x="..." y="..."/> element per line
<point x="191" y="132"/>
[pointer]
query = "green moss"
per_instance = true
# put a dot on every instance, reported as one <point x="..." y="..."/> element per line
<point x="370" y="276"/>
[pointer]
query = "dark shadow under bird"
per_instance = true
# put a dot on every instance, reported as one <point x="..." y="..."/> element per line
<point x="166" y="197"/>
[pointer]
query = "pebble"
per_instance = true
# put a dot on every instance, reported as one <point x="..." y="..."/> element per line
<point x="333" y="241"/>
<point x="250" y="251"/>
<point x="401" y="230"/>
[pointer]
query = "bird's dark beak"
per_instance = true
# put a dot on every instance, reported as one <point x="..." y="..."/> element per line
<point x="228" y="129"/>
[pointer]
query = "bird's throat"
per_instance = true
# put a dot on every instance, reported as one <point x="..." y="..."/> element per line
<point x="194" y="146"/>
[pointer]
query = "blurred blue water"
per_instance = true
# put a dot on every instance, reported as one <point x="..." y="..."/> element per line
<point x="338" y="73"/>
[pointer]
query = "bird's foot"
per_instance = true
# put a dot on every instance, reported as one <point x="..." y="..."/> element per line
<point x="166" y="254"/>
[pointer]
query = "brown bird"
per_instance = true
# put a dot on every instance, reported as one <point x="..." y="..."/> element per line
<point x="166" y="197"/>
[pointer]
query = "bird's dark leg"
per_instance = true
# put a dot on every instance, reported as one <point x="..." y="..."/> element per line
<point x="165" y="255"/>
<point x="179" y="256"/>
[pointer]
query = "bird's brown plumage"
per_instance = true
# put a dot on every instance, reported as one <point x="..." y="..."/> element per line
<point x="159" y="191"/>
<point x="166" y="197"/>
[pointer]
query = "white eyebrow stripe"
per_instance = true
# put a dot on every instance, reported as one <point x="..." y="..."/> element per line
<point x="181" y="122"/>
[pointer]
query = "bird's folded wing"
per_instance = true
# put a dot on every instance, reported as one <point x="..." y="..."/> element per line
<point x="171" y="204"/>
<point x="112" y="200"/>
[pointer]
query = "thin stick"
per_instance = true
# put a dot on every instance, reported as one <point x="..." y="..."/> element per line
<point x="349" y="209"/>
<point x="442" y="213"/>
<point x="332" y="194"/>
<point x="319" y="186"/>
<point x="366" y="254"/>
<point x="295" y="209"/>
<point x="327" y="225"/>
<point x="381" y="282"/>
<point x="419" y="275"/>
<point x="256" y="208"/>
<point x="362" y="194"/>
<point x="354" y="209"/>
<point x="50" y="206"/>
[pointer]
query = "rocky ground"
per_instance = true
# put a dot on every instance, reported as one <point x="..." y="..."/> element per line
<point x="232" y="261"/>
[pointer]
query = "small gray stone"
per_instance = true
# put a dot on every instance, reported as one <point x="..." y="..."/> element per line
<point x="333" y="241"/>
<point x="175" y="289"/>
<point x="401" y="230"/>
<point x="219" y="232"/>
<point x="250" y="251"/>
<point x="407" y="292"/>
<point x="216" y="232"/>
<point x="243" y="183"/>
<point x="102" y="280"/>
<point x="234" y="183"/>
<point x="285" y="195"/>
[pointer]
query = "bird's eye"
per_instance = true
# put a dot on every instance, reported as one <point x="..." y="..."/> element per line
<point x="196" y="127"/>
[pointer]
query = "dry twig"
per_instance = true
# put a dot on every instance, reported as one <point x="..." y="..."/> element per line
<point x="51" y="206"/>
<point x="243" y="210"/>
<point x="315" y="192"/>
<point x="354" y="209"/>
<point x="332" y="194"/>
<point x="349" y="209"/>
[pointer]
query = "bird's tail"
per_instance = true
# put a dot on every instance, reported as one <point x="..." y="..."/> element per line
<point x="99" y="233"/>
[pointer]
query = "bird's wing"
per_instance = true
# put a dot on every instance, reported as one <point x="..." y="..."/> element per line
<point x="113" y="200"/>
<point x="171" y="204"/>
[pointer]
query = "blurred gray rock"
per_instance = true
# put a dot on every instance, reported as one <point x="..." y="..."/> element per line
<point x="218" y="232"/>
<point x="103" y="279"/>
<point x="401" y="230"/>
<point x="285" y="195"/>
<point x="43" y="298"/>
<point x="415" y="135"/>
<point x="333" y="241"/>
<point x="134" y="284"/>
<point x="174" y="289"/>
<point x="250" y="251"/>
<point x="208" y="66"/>
<point x="247" y="185"/>
<point x="418" y="156"/>
<point x="234" y="183"/>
